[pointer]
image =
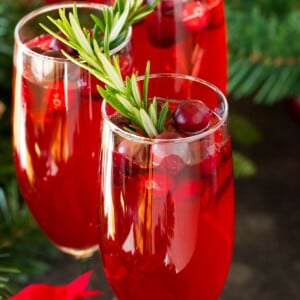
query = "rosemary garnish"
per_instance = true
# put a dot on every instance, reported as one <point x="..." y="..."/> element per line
<point x="93" y="55"/>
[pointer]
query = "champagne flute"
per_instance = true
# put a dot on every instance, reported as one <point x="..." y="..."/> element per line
<point x="186" y="37"/>
<point x="166" y="208"/>
<point x="56" y="120"/>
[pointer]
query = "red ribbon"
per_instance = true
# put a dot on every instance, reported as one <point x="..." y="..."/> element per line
<point x="75" y="290"/>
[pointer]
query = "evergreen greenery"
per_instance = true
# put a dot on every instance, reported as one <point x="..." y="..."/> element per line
<point x="264" y="49"/>
<point x="10" y="13"/>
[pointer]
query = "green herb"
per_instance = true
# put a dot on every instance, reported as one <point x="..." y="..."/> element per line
<point x="94" y="56"/>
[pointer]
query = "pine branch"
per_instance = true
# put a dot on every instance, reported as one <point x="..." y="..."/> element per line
<point x="260" y="62"/>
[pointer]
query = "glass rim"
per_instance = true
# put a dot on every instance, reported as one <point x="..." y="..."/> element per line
<point x="55" y="6"/>
<point x="187" y="139"/>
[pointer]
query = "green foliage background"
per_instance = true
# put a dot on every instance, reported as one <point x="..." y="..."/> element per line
<point x="264" y="49"/>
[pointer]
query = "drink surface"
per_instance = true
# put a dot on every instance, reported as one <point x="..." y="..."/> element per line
<point x="166" y="228"/>
<point x="185" y="37"/>
<point x="56" y="142"/>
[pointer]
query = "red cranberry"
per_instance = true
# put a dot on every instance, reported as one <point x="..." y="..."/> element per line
<point x="191" y="116"/>
<point x="56" y="44"/>
<point x="170" y="158"/>
<point x="161" y="184"/>
<point x="194" y="15"/>
<point x="161" y="31"/>
<point x="172" y="164"/>
<point x="61" y="96"/>
<point x="123" y="167"/>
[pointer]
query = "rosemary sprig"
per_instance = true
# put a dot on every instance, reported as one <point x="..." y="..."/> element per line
<point x="94" y="56"/>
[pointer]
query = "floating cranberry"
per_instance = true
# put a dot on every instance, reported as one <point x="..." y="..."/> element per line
<point x="61" y="95"/>
<point x="42" y="41"/>
<point x="135" y="152"/>
<point x="172" y="164"/>
<point x="123" y="167"/>
<point x="56" y="44"/>
<point x="160" y="184"/>
<point x="194" y="15"/>
<point x="191" y="116"/>
<point x="161" y="31"/>
<point x="170" y="157"/>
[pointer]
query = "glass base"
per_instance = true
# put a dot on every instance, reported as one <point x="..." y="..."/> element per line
<point x="79" y="253"/>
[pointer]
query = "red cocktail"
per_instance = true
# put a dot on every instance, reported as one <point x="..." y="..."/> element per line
<point x="186" y="37"/>
<point x="56" y="138"/>
<point x="166" y="211"/>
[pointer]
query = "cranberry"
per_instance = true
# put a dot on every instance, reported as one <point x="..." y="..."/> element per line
<point x="161" y="31"/>
<point x="191" y="116"/>
<point x="123" y="167"/>
<point x="194" y="15"/>
<point x="172" y="164"/>
<point x="42" y="41"/>
<point x="56" y="44"/>
<point x="160" y="184"/>
<point x="61" y="95"/>
<point x="135" y="152"/>
<point x="162" y="150"/>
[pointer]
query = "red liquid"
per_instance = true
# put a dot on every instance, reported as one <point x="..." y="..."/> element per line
<point x="56" y="134"/>
<point x="187" y="37"/>
<point x="166" y="232"/>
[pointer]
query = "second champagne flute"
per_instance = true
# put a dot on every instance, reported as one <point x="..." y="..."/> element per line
<point x="56" y="120"/>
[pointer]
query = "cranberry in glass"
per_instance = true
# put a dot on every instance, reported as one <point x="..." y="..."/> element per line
<point x="194" y="15"/>
<point x="56" y="44"/>
<point x="191" y="116"/>
<point x="161" y="31"/>
<point x="59" y="97"/>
